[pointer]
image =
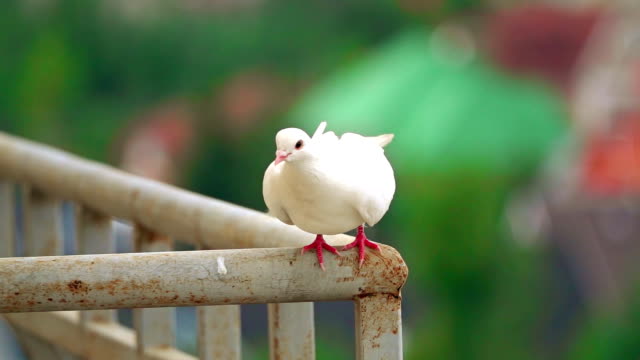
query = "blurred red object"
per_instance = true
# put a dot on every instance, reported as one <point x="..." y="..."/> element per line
<point x="611" y="163"/>
<point x="247" y="98"/>
<point x="158" y="142"/>
<point x="540" y="40"/>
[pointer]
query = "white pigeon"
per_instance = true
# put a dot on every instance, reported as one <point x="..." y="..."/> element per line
<point x="327" y="185"/>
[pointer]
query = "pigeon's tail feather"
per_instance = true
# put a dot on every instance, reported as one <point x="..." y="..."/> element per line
<point x="383" y="140"/>
<point x="319" y="130"/>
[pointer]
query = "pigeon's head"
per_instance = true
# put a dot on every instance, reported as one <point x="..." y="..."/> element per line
<point x="291" y="145"/>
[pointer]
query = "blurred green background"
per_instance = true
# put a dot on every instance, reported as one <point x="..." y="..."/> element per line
<point x="478" y="94"/>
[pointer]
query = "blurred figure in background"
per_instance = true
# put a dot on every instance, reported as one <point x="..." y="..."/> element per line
<point x="586" y="195"/>
<point x="158" y="143"/>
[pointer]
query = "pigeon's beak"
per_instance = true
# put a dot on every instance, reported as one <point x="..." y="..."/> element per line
<point x="281" y="155"/>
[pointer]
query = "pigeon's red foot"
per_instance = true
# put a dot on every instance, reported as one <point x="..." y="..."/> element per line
<point x="318" y="244"/>
<point x="361" y="242"/>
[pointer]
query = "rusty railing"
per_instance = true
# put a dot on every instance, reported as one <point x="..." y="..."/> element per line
<point x="265" y="267"/>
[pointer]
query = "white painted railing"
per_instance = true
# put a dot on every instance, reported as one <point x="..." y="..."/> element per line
<point x="266" y="267"/>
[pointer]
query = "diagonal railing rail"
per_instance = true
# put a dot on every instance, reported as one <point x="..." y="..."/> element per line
<point x="265" y="267"/>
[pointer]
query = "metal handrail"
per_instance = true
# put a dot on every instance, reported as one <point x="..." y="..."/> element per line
<point x="191" y="278"/>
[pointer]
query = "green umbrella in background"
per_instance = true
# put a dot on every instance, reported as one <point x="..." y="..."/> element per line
<point x="466" y="135"/>
<point x="446" y="115"/>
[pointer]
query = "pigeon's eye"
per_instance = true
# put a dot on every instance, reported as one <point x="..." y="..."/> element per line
<point x="299" y="145"/>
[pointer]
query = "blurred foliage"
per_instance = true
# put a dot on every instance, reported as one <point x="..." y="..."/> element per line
<point x="72" y="74"/>
<point x="482" y="289"/>
<point x="611" y="334"/>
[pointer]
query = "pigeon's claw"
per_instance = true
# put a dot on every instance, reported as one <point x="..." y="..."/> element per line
<point x="318" y="244"/>
<point x="361" y="242"/>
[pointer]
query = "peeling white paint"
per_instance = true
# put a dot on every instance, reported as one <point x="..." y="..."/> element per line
<point x="221" y="268"/>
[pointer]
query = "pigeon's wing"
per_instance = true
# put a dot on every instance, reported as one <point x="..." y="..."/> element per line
<point x="320" y="130"/>
<point x="271" y="194"/>
<point x="327" y="139"/>
<point x="281" y="215"/>
<point x="368" y="174"/>
<point x="376" y="194"/>
<point x="324" y="139"/>
<point x="359" y="140"/>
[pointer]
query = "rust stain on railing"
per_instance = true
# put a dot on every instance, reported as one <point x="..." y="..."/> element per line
<point x="78" y="287"/>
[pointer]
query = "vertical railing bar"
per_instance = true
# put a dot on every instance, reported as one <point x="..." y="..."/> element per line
<point x="378" y="327"/>
<point x="358" y="309"/>
<point x="291" y="331"/>
<point x="94" y="236"/>
<point x="7" y="219"/>
<point x="42" y="224"/>
<point x="42" y="219"/>
<point x="219" y="332"/>
<point x="219" y="329"/>
<point x="155" y="327"/>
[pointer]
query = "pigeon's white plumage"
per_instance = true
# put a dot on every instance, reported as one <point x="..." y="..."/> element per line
<point x="326" y="184"/>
